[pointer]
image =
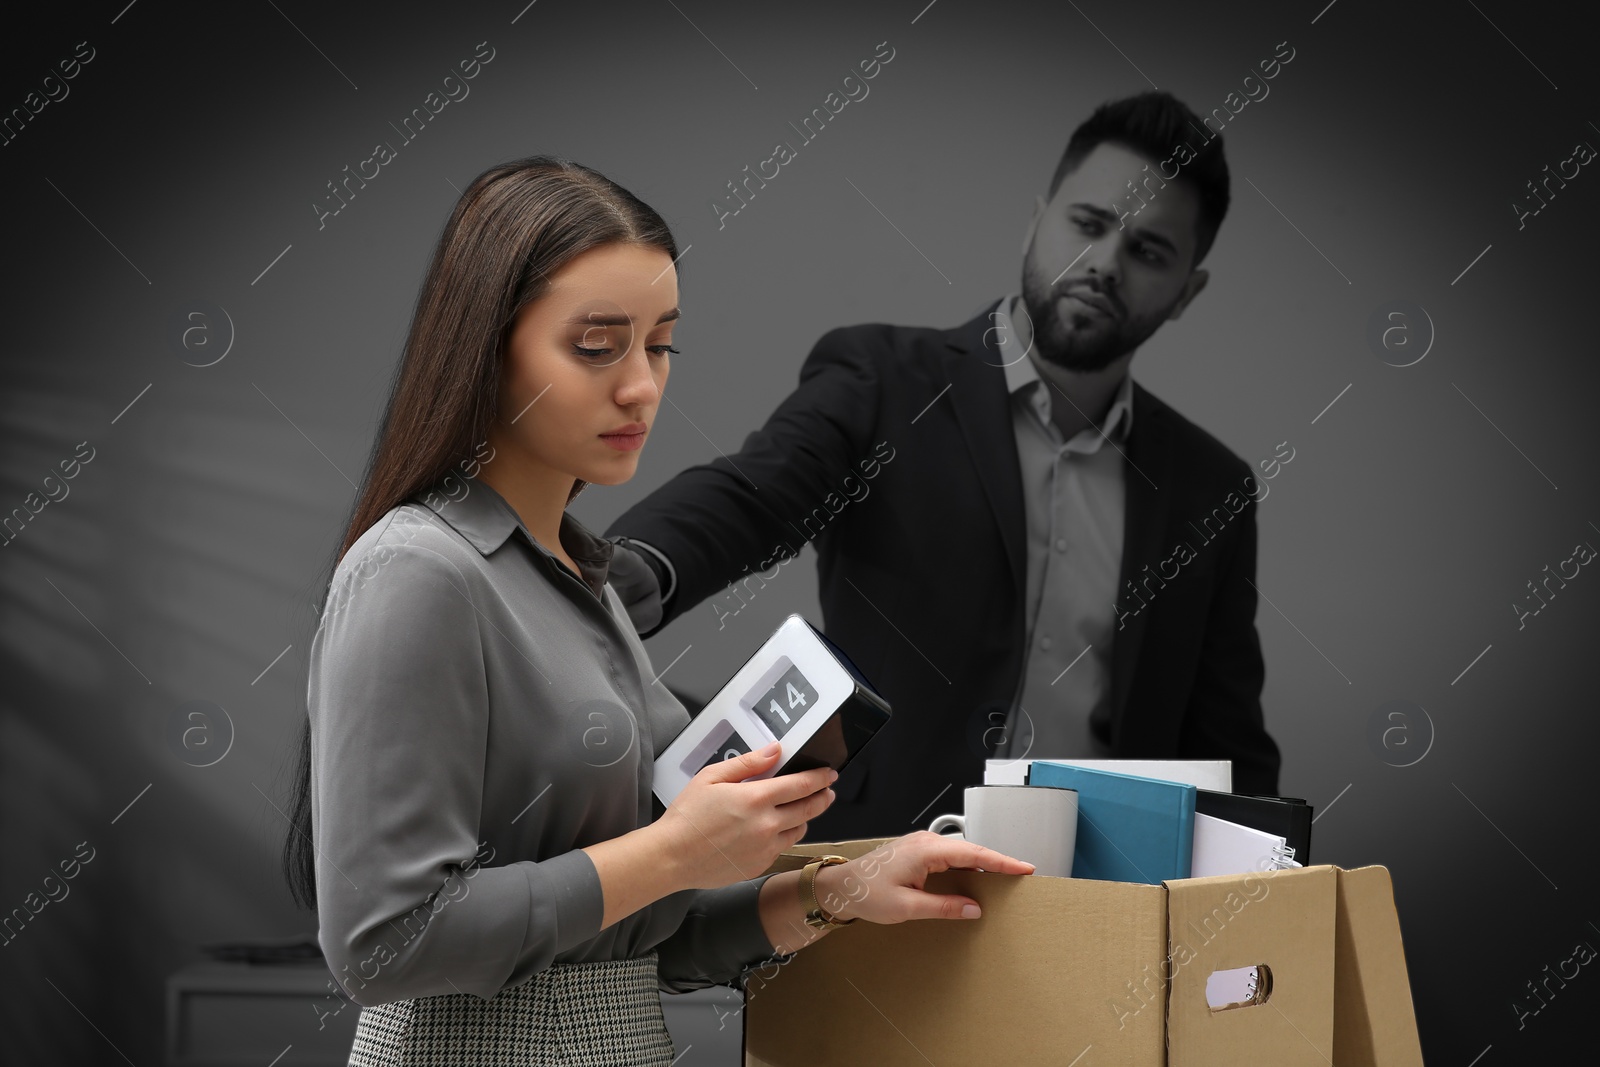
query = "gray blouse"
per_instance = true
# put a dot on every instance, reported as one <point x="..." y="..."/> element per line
<point x="478" y="714"/>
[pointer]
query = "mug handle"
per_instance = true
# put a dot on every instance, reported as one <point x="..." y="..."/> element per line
<point x="945" y="822"/>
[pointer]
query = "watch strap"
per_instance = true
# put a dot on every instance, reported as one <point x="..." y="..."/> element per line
<point x="816" y="916"/>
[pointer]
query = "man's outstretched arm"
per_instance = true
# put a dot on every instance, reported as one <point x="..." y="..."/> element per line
<point x="715" y="522"/>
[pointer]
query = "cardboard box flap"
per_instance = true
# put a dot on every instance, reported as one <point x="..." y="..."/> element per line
<point x="1373" y="1016"/>
<point x="798" y="856"/>
<point x="1221" y="924"/>
<point x="1064" y="958"/>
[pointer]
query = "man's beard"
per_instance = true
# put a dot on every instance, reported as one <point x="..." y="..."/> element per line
<point x="1090" y="342"/>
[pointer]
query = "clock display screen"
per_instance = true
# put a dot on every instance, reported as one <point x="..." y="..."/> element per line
<point x="732" y="745"/>
<point x="782" y="704"/>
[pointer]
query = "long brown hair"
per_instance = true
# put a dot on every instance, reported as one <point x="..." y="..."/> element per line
<point x="516" y="224"/>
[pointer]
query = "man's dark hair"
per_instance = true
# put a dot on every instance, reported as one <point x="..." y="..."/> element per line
<point x="1154" y="124"/>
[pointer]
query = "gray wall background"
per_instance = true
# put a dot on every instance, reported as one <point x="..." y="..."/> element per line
<point x="181" y="168"/>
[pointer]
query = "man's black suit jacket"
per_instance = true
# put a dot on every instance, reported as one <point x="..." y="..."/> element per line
<point x="896" y="455"/>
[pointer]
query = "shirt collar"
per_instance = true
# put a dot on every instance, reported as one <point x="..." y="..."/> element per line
<point x="485" y="519"/>
<point x="1021" y="376"/>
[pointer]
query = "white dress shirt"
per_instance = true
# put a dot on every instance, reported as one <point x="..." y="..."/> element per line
<point x="1073" y="501"/>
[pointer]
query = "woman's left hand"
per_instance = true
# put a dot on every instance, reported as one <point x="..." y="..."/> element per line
<point x="885" y="885"/>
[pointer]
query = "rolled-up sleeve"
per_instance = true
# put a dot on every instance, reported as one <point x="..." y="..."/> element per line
<point x="399" y="706"/>
<point x="720" y="936"/>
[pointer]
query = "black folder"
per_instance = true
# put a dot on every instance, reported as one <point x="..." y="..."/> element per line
<point x="1288" y="817"/>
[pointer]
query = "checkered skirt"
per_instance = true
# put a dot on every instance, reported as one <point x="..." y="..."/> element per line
<point x="571" y="1015"/>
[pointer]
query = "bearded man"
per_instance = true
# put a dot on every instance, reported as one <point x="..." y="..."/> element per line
<point x="1025" y="551"/>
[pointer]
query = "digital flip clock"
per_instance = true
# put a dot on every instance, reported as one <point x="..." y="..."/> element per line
<point x="799" y="689"/>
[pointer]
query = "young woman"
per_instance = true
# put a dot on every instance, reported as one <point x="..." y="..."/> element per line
<point x="474" y="818"/>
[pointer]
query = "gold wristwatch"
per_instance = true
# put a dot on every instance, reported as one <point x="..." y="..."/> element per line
<point x="815" y="916"/>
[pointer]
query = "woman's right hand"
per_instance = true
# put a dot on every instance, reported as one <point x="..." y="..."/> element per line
<point x="723" y="829"/>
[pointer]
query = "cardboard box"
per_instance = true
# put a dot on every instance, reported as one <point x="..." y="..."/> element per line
<point x="1070" y="971"/>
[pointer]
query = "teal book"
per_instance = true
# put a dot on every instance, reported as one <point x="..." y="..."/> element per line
<point x="1130" y="829"/>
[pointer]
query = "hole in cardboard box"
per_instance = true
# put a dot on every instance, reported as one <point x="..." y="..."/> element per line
<point x="1239" y="987"/>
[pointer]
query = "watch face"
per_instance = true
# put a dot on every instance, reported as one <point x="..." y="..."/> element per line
<point x="781" y="704"/>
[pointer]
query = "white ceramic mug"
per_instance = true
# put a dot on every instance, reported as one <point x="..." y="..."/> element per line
<point x="1036" y="823"/>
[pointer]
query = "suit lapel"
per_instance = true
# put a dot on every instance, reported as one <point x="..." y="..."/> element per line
<point x="983" y="412"/>
<point x="1146" y="496"/>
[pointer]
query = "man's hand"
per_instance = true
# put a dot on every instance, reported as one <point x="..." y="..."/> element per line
<point x="636" y="586"/>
